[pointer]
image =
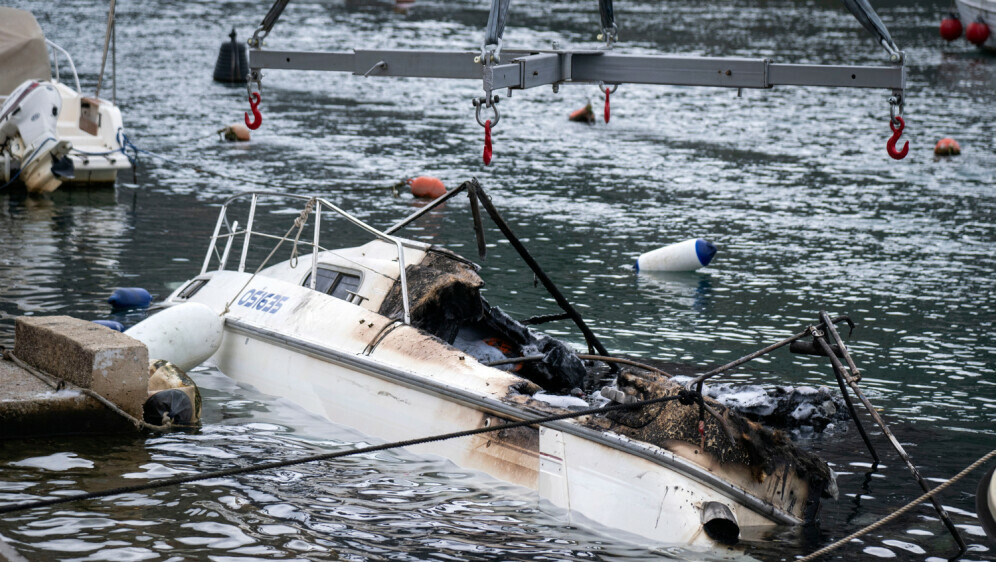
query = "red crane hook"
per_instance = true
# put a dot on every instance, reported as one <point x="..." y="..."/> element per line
<point x="256" y="115"/>
<point x="896" y="133"/>
<point x="487" y="142"/>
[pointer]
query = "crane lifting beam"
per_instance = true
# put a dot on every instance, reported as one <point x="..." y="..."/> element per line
<point x="529" y="69"/>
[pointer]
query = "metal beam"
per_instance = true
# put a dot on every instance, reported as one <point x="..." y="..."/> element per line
<point x="529" y="69"/>
<point x="672" y="70"/>
<point x="889" y="77"/>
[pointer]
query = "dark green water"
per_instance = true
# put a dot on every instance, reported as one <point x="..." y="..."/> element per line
<point x="793" y="185"/>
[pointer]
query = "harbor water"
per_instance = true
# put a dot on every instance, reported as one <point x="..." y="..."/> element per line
<point x="793" y="186"/>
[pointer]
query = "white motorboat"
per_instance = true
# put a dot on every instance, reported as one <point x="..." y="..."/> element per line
<point x="51" y="133"/>
<point x="393" y="338"/>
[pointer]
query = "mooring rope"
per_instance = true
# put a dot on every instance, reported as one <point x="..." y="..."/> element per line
<point x="298" y="223"/>
<point x="685" y="397"/>
<point x="899" y="512"/>
<point x="264" y="183"/>
<point x="57" y="383"/>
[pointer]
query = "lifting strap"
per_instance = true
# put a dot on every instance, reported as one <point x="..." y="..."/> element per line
<point x="264" y="28"/>
<point x="866" y="15"/>
<point x="496" y="23"/>
<point x="608" y="17"/>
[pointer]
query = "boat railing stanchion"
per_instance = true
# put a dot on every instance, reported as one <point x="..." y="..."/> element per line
<point x="314" y="251"/>
<point x="72" y="66"/>
<point x="843" y="375"/>
<point x="818" y="336"/>
<point x="228" y="244"/>
<point x="430" y="206"/>
<point x="245" y="242"/>
<point x="213" y="247"/>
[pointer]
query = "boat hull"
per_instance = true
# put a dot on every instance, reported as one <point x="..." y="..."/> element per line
<point x="971" y="10"/>
<point x="589" y="479"/>
<point x="348" y="362"/>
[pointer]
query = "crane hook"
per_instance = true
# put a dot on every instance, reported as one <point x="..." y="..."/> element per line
<point x="896" y="133"/>
<point x="254" y="100"/>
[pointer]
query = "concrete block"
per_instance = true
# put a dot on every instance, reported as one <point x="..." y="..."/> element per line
<point x="29" y="408"/>
<point x="88" y="355"/>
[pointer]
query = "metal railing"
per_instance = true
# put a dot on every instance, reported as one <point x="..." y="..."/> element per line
<point x="55" y="64"/>
<point x="319" y="205"/>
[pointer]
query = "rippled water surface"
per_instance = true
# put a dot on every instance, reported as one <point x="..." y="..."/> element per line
<point x="793" y="185"/>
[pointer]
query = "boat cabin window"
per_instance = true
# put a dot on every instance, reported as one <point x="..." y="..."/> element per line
<point x="192" y="288"/>
<point x="340" y="284"/>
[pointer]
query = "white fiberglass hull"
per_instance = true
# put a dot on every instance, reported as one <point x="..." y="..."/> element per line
<point x="585" y="477"/>
<point x="92" y="126"/>
<point x="390" y="381"/>
<point x="88" y="131"/>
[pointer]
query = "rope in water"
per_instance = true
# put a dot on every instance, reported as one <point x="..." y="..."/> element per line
<point x="128" y="145"/>
<point x="686" y="397"/>
<point x="892" y="516"/>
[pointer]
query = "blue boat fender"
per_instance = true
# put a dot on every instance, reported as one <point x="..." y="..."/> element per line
<point x="117" y="326"/>
<point x="130" y="297"/>
<point x="682" y="256"/>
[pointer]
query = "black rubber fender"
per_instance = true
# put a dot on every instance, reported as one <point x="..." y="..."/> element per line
<point x="173" y="403"/>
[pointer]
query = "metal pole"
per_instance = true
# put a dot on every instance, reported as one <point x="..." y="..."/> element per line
<point x="589" y="336"/>
<point x="475" y="212"/>
<point x="228" y="245"/>
<point x="107" y="40"/>
<point x="114" y="61"/>
<point x="892" y="438"/>
<point x="432" y="205"/>
<point x="837" y="368"/>
<point x="245" y="243"/>
<point x="214" y="240"/>
<point x="314" y="252"/>
<point x="755" y="355"/>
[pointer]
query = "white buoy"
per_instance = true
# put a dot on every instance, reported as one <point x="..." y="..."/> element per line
<point x="185" y="335"/>
<point x="683" y="256"/>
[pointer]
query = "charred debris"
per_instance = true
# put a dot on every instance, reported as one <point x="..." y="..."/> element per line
<point x="447" y="303"/>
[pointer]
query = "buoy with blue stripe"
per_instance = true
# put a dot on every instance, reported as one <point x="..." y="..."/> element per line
<point x="683" y="256"/>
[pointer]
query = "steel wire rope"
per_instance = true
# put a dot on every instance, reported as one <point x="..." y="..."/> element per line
<point x="686" y="397"/>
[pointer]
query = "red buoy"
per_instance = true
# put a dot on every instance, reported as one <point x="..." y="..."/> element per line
<point x="427" y="187"/>
<point x="951" y="27"/>
<point x="947" y="147"/>
<point x="977" y="32"/>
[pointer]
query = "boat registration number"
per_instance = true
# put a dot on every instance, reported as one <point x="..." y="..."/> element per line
<point x="262" y="300"/>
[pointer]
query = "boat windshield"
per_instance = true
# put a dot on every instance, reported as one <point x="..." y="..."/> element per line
<point x="315" y="209"/>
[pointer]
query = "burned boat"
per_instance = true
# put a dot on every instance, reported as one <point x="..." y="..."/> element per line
<point x="394" y="338"/>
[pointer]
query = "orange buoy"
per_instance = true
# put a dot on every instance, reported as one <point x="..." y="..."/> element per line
<point x="428" y="187"/>
<point x="583" y="115"/>
<point x="947" y="147"/>
<point x="235" y="132"/>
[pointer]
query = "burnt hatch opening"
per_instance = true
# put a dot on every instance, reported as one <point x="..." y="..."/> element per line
<point x="446" y="302"/>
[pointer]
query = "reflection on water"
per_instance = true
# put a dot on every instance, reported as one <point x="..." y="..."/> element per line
<point x="793" y="185"/>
